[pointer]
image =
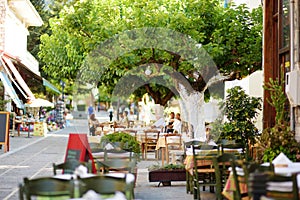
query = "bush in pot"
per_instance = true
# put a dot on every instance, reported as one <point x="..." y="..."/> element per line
<point x="241" y="111"/>
<point x="122" y="140"/>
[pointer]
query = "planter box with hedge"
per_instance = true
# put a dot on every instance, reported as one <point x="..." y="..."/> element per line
<point x="167" y="174"/>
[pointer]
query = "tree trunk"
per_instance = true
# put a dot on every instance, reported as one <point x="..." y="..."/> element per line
<point x="192" y="111"/>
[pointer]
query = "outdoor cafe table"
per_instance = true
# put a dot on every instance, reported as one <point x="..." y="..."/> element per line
<point x="290" y="169"/>
<point x="189" y="160"/>
<point x="129" y="178"/>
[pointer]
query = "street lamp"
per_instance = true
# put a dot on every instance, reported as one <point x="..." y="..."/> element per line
<point x="62" y="84"/>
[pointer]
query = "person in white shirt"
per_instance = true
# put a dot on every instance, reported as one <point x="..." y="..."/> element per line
<point x="177" y="123"/>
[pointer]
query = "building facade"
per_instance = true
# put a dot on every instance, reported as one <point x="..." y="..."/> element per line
<point x="281" y="57"/>
<point x="19" y="70"/>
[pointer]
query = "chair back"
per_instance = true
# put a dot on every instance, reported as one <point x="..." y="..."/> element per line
<point x="116" y="165"/>
<point x="150" y="141"/>
<point x="203" y="170"/>
<point x="104" y="185"/>
<point x="234" y="148"/>
<point x="221" y="165"/>
<point x="67" y="167"/>
<point x="46" y="187"/>
<point x="131" y="132"/>
<point x="151" y="135"/>
<point x="242" y="176"/>
<point x="173" y="141"/>
<point x="274" y="186"/>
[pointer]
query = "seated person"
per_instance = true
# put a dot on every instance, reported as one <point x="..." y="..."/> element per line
<point x="177" y="124"/>
<point x="124" y="119"/>
<point x="93" y="124"/>
<point x="169" y="127"/>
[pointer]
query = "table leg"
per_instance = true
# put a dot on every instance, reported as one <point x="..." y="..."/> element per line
<point x="28" y="132"/>
<point x="162" y="156"/>
<point x="19" y="126"/>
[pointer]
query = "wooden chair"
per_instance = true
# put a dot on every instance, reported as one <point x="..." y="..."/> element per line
<point x="203" y="170"/>
<point x="119" y="127"/>
<point x="174" y="148"/>
<point x="221" y="165"/>
<point x="149" y="144"/>
<point x="45" y="187"/>
<point x="242" y="177"/>
<point x="105" y="185"/>
<point x="69" y="166"/>
<point x="189" y="177"/>
<point x="236" y="148"/>
<point x="116" y="165"/>
<point x="267" y="186"/>
<point x="131" y="132"/>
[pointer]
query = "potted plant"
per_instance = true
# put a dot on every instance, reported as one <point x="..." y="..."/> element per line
<point x="122" y="141"/>
<point x="278" y="138"/>
<point x="166" y="174"/>
<point x="241" y="111"/>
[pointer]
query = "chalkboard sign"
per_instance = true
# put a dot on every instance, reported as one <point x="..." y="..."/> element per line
<point x="78" y="148"/>
<point x="73" y="154"/>
<point x="4" y="130"/>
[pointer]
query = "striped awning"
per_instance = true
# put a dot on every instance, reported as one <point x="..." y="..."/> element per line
<point x="10" y="90"/>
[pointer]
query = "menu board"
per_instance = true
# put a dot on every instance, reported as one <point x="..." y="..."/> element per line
<point x="4" y="130"/>
<point x="79" y="149"/>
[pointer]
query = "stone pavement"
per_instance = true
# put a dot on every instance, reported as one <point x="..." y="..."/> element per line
<point x="33" y="157"/>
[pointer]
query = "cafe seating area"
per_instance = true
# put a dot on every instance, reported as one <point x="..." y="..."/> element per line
<point x="219" y="169"/>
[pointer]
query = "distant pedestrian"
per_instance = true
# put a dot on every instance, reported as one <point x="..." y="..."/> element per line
<point x="110" y="113"/>
<point x="90" y="110"/>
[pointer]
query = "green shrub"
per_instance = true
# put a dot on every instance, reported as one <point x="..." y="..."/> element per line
<point x="124" y="140"/>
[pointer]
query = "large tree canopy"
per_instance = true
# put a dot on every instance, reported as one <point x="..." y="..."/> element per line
<point x="231" y="36"/>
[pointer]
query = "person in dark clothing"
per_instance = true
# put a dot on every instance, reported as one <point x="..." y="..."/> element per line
<point x="169" y="127"/>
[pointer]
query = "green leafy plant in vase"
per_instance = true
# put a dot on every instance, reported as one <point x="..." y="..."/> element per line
<point x="278" y="138"/>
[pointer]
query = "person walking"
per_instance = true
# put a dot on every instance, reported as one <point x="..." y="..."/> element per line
<point x="110" y="113"/>
<point x="90" y="110"/>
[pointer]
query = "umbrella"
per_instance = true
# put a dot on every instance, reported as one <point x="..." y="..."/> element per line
<point x="40" y="102"/>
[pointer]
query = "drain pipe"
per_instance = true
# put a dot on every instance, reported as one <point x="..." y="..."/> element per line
<point x="292" y="63"/>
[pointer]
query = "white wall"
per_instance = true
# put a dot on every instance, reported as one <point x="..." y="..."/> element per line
<point x="16" y="41"/>
<point x="15" y="35"/>
<point x="250" y="3"/>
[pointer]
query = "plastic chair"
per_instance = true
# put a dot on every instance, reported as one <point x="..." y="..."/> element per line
<point x="45" y="187"/>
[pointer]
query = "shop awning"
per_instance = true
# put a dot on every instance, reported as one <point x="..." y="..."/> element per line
<point x="13" y="74"/>
<point x="18" y="77"/>
<point x="10" y="90"/>
<point x="50" y="86"/>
